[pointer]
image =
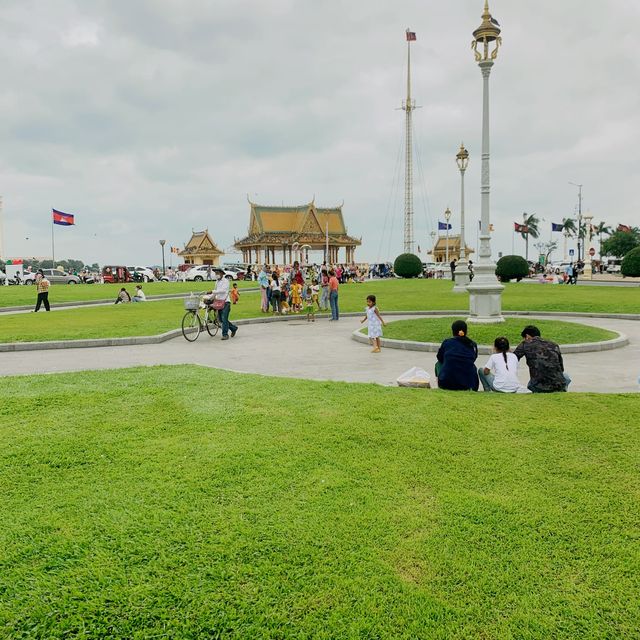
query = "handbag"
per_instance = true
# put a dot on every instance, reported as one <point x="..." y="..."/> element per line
<point x="218" y="304"/>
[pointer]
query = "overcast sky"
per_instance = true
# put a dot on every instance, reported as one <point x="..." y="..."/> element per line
<point x="150" y="118"/>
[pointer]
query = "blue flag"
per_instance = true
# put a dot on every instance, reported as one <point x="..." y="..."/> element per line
<point x="443" y="226"/>
<point x="556" y="227"/>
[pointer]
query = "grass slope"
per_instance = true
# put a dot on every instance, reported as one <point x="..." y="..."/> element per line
<point x="436" y="329"/>
<point x="396" y="295"/>
<point x="349" y="511"/>
<point x="21" y="296"/>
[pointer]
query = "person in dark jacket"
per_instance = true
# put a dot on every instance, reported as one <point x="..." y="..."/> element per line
<point x="544" y="359"/>
<point x="456" y="369"/>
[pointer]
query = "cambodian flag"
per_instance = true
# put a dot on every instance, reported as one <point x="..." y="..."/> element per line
<point x="65" y="219"/>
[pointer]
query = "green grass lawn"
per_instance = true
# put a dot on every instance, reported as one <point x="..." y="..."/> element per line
<point x="19" y="296"/>
<point x="436" y="329"/>
<point x="397" y="295"/>
<point x="135" y="505"/>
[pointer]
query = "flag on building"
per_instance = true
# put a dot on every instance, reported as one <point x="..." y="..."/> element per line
<point x="520" y="228"/>
<point x="444" y="226"/>
<point x="410" y="35"/>
<point x="65" y="219"/>
<point x="556" y="227"/>
<point x="625" y="228"/>
<point x="175" y="249"/>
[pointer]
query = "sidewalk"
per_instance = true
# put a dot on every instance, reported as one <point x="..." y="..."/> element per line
<point x="323" y="351"/>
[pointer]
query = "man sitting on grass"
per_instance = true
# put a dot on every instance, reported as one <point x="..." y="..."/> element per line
<point x="544" y="360"/>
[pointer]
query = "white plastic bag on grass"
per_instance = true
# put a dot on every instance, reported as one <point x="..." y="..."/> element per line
<point x="415" y="377"/>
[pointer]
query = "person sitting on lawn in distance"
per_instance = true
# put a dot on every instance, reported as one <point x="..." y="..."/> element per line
<point x="455" y="368"/>
<point x="123" y="296"/>
<point x="544" y="359"/>
<point x="139" y="295"/>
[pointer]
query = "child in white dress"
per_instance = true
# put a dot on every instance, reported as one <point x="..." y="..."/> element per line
<point x="375" y="323"/>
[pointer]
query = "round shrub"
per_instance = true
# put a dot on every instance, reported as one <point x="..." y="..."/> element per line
<point x="630" y="266"/>
<point x="512" y="268"/>
<point x="407" y="265"/>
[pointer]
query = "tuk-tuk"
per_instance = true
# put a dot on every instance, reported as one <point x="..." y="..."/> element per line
<point x="116" y="274"/>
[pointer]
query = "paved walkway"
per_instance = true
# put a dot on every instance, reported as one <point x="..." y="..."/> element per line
<point x="321" y="351"/>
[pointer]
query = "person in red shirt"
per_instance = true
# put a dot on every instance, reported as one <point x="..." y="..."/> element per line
<point x="333" y="295"/>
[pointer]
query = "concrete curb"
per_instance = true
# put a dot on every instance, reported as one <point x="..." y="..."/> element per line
<point x="616" y="343"/>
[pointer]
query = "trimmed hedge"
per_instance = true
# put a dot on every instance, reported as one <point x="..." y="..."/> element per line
<point x="630" y="266"/>
<point x="407" y="265"/>
<point x="512" y="268"/>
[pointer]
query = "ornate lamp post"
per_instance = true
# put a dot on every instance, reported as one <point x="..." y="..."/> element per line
<point x="433" y="245"/>
<point x="462" y="270"/>
<point x="447" y="217"/>
<point x="162" y="243"/>
<point x="485" y="292"/>
<point x="589" y="251"/>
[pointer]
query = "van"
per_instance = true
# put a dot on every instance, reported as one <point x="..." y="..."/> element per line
<point x="116" y="273"/>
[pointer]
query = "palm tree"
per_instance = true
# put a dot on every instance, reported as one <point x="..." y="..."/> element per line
<point x="530" y="222"/>
<point x="600" y="229"/>
<point x="569" y="230"/>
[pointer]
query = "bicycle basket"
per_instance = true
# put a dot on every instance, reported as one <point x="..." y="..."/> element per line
<point x="192" y="303"/>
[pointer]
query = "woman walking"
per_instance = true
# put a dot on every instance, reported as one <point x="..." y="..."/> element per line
<point x="333" y="296"/>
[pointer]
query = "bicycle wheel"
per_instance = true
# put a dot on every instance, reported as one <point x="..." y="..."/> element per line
<point x="211" y="322"/>
<point x="191" y="326"/>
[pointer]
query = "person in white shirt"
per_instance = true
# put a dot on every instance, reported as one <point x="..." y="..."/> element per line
<point x="501" y="371"/>
<point x="139" y="296"/>
<point x="221" y="292"/>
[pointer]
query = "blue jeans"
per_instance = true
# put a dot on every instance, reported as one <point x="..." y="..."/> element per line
<point x="224" y="319"/>
<point x="324" y="298"/>
<point x="486" y="379"/>
<point x="333" y="301"/>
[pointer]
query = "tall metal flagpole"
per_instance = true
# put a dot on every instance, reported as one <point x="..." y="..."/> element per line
<point x="53" y="249"/>
<point x="408" y="107"/>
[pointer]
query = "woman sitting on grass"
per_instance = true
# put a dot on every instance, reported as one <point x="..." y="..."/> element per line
<point x="455" y="368"/>
<point x="501" y="371"/>
<point x="123" y="296"/>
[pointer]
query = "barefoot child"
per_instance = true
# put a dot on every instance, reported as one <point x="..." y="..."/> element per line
<point x="375" y="323"/>
<point x="235" y="294"/>
<point x="309" y="308"/>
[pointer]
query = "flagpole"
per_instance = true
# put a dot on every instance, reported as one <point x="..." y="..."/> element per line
<point x="53" y="248"/>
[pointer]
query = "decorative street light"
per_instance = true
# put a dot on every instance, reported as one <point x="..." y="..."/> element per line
<point x="589" y="251"/>
<point x="485" y="292"/>
<point x="162" y="243"/>
<point x="462" y="270"/>
<point x="433" y="245"/>
<point x="447" y="217"/>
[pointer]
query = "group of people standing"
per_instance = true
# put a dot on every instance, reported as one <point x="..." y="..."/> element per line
<point x="456" y="369"/>
<point x="298" y="291"/>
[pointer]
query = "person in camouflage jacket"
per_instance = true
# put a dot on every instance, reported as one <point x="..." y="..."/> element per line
<point x="544" y="359"/>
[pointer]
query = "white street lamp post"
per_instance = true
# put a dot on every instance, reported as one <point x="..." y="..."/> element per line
<point x="588" y="249"/>
<point x="462" y="269"/>
<point x="485" y="292"/>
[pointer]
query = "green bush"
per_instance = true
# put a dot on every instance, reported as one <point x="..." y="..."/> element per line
<point x="630" y="266"/>
<point x="407" y="265"/>
<point x="512" y="268"/>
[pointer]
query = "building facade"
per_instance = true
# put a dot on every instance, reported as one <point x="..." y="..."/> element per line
<point x="201" y="249"/>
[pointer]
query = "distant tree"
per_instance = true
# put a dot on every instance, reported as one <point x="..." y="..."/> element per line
<point x="619" y="243"/>
<point x="546" y="249"/>
<point x="601" y="229"/>
<point x="631" y="264"/>
<point x="530" y="222"/>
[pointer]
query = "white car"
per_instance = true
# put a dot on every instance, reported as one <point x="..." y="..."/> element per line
<point x="147" y="274"/>
<point x="201" y="273"/>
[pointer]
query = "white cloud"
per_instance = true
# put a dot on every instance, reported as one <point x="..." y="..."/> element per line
<point x="149" y="118"/>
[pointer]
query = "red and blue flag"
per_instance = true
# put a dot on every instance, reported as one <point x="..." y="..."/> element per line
<point x="65" y="219"/>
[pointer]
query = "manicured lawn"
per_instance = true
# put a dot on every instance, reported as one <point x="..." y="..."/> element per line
<point x="436" y="329"/>
<point x="134" y="505"/>
<point x="398" y="295"/>
<point x="19" y="296"/>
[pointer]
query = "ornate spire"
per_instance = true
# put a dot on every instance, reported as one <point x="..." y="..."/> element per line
<point x="488" y="31"/>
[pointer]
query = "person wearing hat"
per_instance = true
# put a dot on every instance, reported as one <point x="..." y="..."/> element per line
<point x="221" y="292"/>
<point x="42" y="288"/>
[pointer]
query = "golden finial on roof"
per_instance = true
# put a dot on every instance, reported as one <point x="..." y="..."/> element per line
<point x="488" y="31"/>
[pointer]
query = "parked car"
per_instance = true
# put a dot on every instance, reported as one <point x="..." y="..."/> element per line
<point x="200" y="273"/>
<point x="146" y="274"/>
<point x="54" y="276"/>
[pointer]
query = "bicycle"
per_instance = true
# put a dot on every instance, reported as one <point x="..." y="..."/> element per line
<point x="194" y="320"/>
